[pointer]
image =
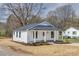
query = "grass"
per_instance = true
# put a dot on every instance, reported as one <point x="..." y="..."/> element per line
<point x="55" y="49"/>
<point x="72" y="40"/>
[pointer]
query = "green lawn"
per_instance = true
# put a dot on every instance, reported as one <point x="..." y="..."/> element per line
<point x="72" y="40"/>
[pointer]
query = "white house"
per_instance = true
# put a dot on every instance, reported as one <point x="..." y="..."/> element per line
<point x="36" y="32"/>
<point x="72" y="32"/>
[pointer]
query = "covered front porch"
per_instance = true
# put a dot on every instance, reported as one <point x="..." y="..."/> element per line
<point x="43" y="35"/>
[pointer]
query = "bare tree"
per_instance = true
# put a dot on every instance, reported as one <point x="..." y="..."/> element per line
<point x="24" y="11"/>
<point x="64" y="12"/>
<point x="12" y="23"/>
<point x="62" y="15"/>
<point x="51" y="17"/>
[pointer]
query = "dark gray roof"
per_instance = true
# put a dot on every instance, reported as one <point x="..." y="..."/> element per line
<point x="38" y="26"/>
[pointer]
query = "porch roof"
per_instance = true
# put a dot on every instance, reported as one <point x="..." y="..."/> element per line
<point x="38" y="26"/>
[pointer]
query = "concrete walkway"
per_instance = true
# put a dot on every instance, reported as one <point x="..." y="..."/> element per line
<point x="73" y="44"/>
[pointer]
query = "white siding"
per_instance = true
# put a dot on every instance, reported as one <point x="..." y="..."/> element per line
<point x="23" y="37"/>
<point x="70" y="34"/>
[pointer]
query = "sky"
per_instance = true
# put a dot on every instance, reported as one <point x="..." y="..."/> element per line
<point x="49" y="7"/>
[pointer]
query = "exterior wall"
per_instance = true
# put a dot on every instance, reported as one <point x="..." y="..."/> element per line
<point x="23" y="37"/>
<point x="27" y="36"/>
<point x="70" y="34"/>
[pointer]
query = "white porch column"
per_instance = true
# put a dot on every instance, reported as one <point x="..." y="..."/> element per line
<point x="56" y="32"/>
<point x="55" y="35"/>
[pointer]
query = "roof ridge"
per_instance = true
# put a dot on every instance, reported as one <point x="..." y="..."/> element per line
<point x="46" y="22"/>
<point x="41" y="23"/>
<point x="32" y="27"/>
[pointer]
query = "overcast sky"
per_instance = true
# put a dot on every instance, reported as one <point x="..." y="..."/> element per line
<point x="50" y="6"/>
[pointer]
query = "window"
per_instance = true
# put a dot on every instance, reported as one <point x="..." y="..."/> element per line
<point x="43" y="34"/>
<point x="52" y="34"/>
<point x="60" y="32"/>
<point x="36" y="34"/>
<point x="19" y="34"/>
<point x="33" y="34"/>
<point x="74" y="32"/>
<point x="68" y="32"/>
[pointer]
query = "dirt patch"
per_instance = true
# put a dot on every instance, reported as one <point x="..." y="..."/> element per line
<point x="55" y="49"/>
<point x="19" y="50"/>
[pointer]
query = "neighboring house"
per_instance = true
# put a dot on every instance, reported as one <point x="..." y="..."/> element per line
<point x="36" y="32"/>
<point x="72" y="32"/>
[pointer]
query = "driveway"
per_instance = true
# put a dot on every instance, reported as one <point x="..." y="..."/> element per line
<point x="5" y="51"/>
